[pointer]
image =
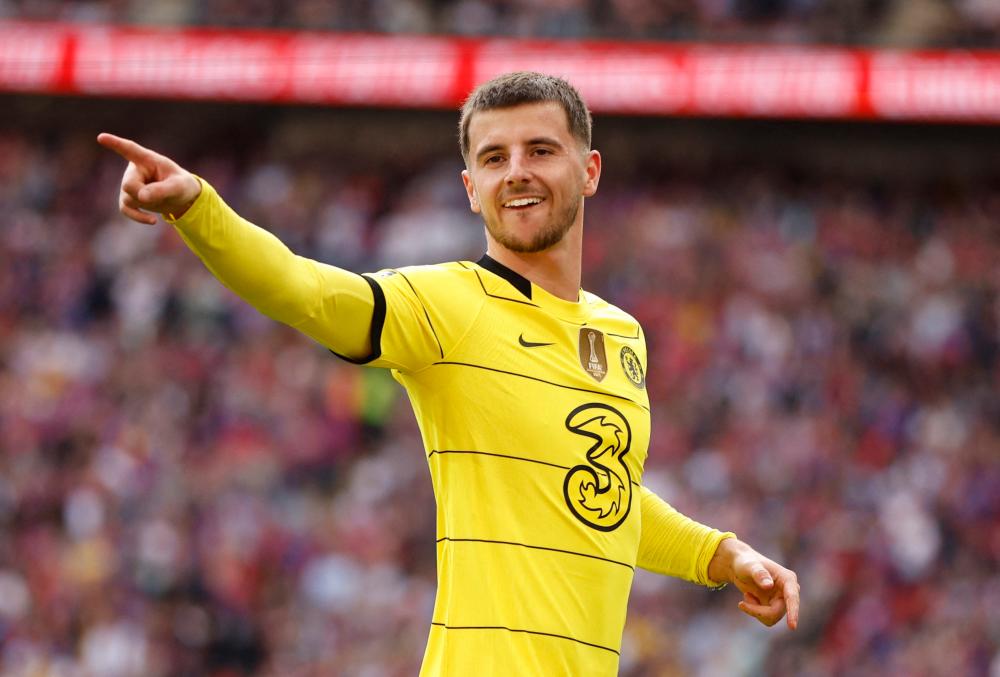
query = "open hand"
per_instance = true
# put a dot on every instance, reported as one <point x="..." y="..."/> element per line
<point x="152" y="182"/>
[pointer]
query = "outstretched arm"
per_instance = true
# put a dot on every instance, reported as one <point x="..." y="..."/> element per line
<point x="331" y="305"/>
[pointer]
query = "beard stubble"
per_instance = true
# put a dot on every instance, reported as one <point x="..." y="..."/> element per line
<point x="549" y="235"/>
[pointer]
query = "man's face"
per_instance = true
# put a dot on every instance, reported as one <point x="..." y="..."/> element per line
<point x="527" y="175"/>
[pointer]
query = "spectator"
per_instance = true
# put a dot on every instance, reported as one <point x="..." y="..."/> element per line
<point x="190" y="489"/>
<point x="889" y="23"/>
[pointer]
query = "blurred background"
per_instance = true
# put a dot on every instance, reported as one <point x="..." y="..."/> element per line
<point x="188" y="488"/>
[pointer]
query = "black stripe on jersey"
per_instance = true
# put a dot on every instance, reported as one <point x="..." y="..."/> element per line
<point x="507" y="456"/>
<point x="429" y="323"/>
<point x="517" y="281"/>
<point x="490" y="453"/>
<point x="630" y="338"/>
<point x="378" y="322"/>
<point x="537" y="547"/>
<point x="530" y="632"/>
<point x="496" y="296"/>
<point x="541" y="380"/>
<point x="512" y="300"/>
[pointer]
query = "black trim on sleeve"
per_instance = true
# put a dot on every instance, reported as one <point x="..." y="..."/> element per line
<point x="378" y="322"/>
<point x="518" y="281"/>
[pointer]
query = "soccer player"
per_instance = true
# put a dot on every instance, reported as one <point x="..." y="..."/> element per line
<point x="530" y="393"/>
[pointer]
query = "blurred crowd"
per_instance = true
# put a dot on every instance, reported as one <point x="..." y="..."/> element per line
<point x="894" y="23"/>
<point x="188" y="488"/>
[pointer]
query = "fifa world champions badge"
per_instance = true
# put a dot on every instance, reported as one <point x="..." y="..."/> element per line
<point x="593" y="358"/>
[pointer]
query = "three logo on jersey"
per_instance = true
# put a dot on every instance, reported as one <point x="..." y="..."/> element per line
<point x="598" y="492"/>
<point x="594" y="359"/>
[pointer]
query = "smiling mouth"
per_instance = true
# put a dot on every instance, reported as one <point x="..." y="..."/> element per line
<point x="523" y="202"/>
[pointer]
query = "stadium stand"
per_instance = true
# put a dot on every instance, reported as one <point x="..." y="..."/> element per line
<point x="889" y="23"/>
<point x="188" y="488"/>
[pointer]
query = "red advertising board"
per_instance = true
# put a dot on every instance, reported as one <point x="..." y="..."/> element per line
<point x="437" y="72"/>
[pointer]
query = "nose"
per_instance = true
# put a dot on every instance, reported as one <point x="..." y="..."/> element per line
<point x="517" y="169"/>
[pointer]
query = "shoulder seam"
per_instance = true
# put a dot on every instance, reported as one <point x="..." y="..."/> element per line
<point x="465" y="332"/>
<point x="472" y="320"/>
<point x="423" y="307"/>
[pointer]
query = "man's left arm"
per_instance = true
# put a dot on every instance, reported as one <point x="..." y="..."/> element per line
<point x="675" y="545"/>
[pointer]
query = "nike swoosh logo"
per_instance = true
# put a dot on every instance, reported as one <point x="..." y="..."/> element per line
<point x="532" y="344"/>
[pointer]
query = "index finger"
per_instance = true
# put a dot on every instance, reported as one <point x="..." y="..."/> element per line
<point x="791" y="591"/>
<point x="127" y="148"/>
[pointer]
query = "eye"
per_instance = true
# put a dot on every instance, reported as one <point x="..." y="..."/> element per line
<point x="493" y="159"/>
<point x="543" y="151"/>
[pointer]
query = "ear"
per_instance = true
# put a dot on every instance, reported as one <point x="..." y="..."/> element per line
<point x="593" y="173"/>
<point x="470" y="190"/>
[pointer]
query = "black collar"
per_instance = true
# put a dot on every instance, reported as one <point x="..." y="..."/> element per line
<point x="518" y="281"/>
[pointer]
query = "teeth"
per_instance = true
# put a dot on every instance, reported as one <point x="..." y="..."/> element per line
<point x="522" y="202"/>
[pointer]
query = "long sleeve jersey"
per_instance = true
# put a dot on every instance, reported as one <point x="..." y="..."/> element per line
<point x="535" y="424"/>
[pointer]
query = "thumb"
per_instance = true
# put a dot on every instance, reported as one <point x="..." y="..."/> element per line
<point x="153" y="193"/>
<point x="172" y="189"/>
<point x="761" y="576"/>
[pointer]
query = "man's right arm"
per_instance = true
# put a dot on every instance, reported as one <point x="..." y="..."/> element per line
<point x="331" y="305"/>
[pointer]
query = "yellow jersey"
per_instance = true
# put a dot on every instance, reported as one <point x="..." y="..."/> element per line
<point x="535" y="424"/>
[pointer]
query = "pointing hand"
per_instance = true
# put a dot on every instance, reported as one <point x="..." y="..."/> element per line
<point x="769" y="589"/>
<point x="152" y="182"/>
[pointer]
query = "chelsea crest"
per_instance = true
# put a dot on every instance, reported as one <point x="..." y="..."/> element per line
<point x="633" y="367"/>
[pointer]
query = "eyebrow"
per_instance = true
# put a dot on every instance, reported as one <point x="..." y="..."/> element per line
<point x="535" y="141"/>
<point x="489" y="149"/>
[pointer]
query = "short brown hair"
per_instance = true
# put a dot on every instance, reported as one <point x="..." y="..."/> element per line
<point x="514" y="89"/>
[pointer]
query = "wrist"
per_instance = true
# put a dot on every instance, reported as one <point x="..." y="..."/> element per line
<point x="721" y="566"/>
<point x="175" y="214"/>
<point x="195" y="193"/>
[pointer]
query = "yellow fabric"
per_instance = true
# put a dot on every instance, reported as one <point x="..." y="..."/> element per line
<point x="536" y="464"/>
<point x="667" y="538"/>
<point x="329" y="304"/>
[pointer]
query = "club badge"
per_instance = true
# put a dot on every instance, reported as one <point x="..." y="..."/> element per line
<point x="633" y="367"/>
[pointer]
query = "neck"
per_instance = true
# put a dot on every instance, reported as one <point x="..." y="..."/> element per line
<point x="557" y="270"/>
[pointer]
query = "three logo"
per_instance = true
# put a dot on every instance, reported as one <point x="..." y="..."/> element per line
<point x="599" y="492"/>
